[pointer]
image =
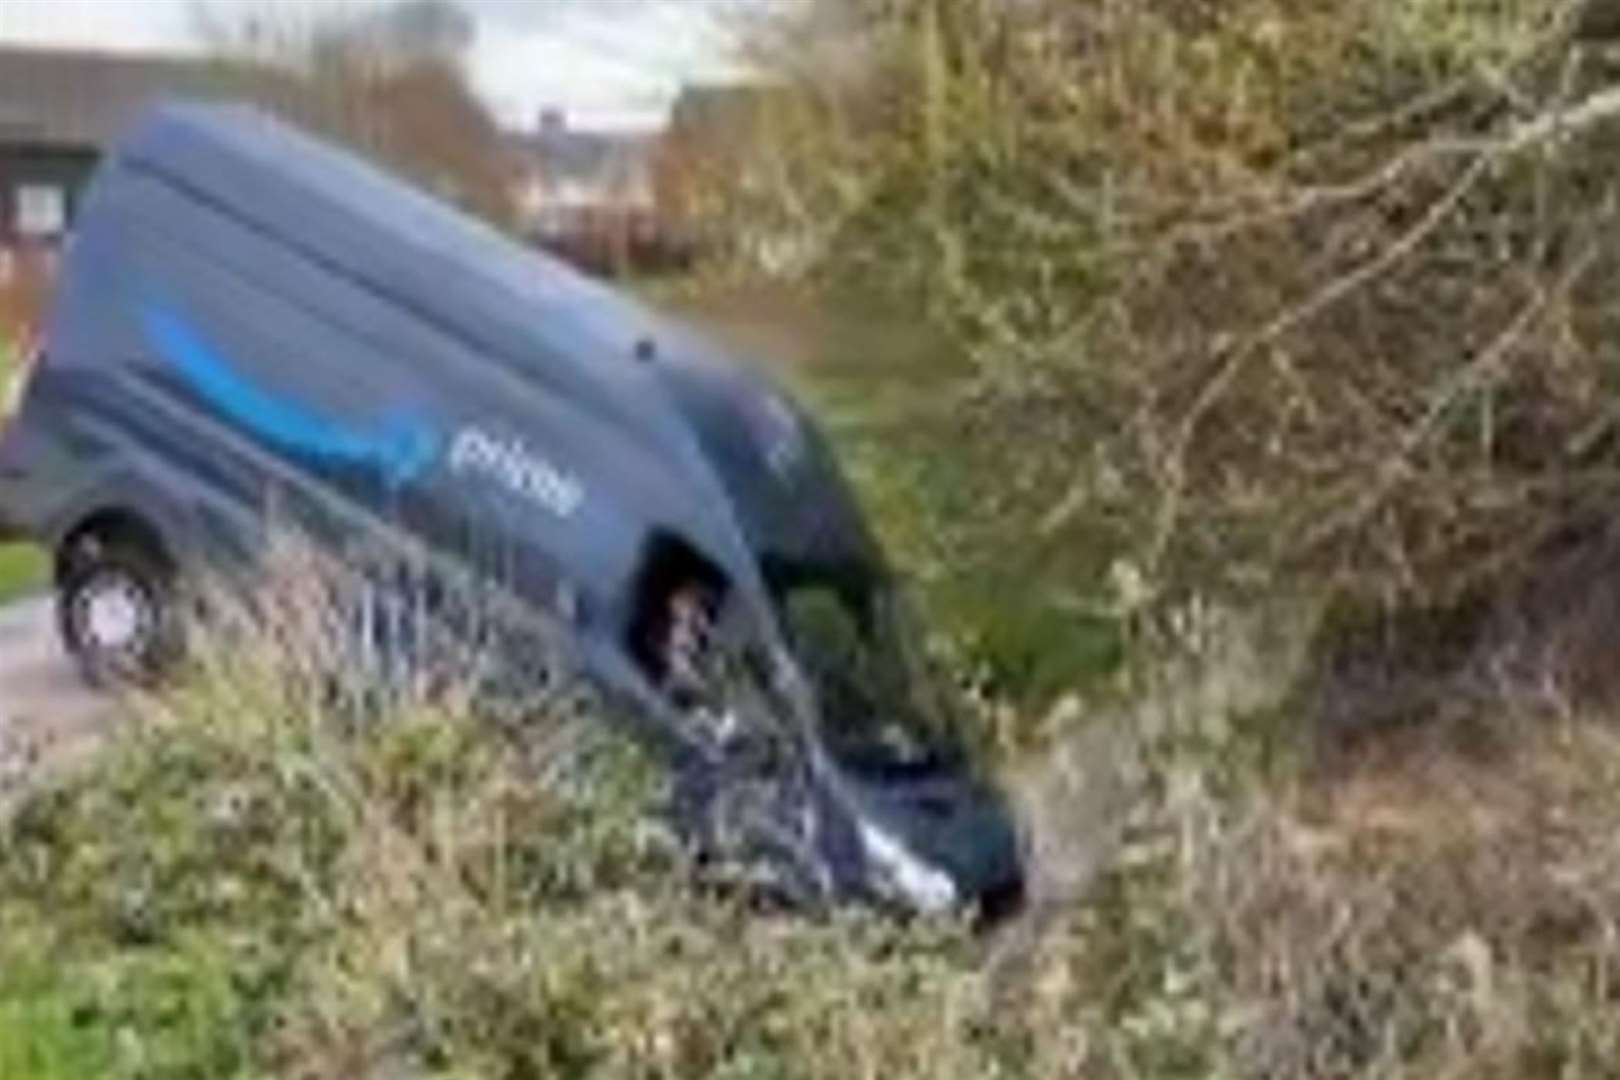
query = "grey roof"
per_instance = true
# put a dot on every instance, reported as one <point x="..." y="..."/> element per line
<point x="78" y="98"/>
<point x="584" y="156"/>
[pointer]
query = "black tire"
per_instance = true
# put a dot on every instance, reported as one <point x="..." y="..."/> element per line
<point x="118" y="614"/>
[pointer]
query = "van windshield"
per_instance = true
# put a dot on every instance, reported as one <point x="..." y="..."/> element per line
<point x="877" y="709"/>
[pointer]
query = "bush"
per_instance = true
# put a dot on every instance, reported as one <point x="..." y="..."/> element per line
<point x="251" y="882"/>
<point x="282" y="870"/>
<point x="1260" y="299"/>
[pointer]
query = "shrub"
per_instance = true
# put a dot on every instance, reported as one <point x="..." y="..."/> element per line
<point x="1260" y="298"/>
<point x="262" y="878"/>
<point x="288" y="866"/>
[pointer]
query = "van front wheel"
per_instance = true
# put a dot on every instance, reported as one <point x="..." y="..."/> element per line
<point x="118" y="615"/>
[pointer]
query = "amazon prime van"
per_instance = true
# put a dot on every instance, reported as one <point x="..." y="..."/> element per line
<point x="252" y="326"/>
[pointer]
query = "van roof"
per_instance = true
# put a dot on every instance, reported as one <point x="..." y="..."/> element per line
<point x="356" y="219"/>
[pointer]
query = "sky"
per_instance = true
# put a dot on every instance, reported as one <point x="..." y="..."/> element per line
<point x="606" y="63"/>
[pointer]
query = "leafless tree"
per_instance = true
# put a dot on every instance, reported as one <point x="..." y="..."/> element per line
<point x="1261" y="298"/>
<point x="389" y="81"/>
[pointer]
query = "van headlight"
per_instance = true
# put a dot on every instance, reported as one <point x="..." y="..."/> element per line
<point x="903" y="876"/>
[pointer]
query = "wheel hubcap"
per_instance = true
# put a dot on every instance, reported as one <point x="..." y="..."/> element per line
<point x="114" y="615"/>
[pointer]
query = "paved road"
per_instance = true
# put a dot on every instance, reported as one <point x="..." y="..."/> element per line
<point x="44" y="708"/>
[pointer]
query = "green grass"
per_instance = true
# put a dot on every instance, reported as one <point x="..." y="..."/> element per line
<point x="23" y="569"/>
<point x="49" y="1029"/>
<point x="76" y="1003"/>
<point x="45" y="1033"/>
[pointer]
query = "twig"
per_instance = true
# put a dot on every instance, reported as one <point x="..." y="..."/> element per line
<point x="1560" y="122"/>
<point x="1554" y="123"/>
<point x="1324" y="298"/>
<point x="1472" y="374"/>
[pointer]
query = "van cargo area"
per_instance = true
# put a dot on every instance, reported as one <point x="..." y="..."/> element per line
<point x="254" y="330"/>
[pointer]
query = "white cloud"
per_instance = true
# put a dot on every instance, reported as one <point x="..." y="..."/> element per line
<point x="103" y="24"/>
<point x="613" y="63"/>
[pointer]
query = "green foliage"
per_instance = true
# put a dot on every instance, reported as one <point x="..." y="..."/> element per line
<point x="23" y="569"/>
<point x="44" y="1032"/>
<point x="9" y="362"/>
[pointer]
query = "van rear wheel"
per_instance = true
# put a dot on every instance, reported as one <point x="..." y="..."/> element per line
<point x="118" y="614"/>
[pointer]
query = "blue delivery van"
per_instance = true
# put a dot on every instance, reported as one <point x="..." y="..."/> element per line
<point x="253" y="327"/>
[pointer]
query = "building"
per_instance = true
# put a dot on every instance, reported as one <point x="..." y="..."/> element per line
<point x="587" y="196"/>
<point x="58" y="109"/>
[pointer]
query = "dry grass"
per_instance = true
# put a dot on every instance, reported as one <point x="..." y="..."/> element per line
<point x="1426" y="910"/>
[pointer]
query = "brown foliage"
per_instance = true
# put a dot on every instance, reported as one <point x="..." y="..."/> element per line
<point x="24" y="286"/>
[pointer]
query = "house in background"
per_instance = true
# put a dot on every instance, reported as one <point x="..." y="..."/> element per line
<point x="602" y="200"/>
<point x="58" y="109"/>
<point x="614" y="203"/>
<point x="589" y="196"/>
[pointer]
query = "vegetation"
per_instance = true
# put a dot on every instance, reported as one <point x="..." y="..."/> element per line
<point x="1238" y="304"/>
<point x="1261" y="320"/>
<point x="276" y="873"/>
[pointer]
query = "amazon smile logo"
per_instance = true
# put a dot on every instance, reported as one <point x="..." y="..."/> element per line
<point x="399" y="447"/>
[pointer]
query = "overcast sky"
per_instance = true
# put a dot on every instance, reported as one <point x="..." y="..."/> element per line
<point x="607" y="63"/>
